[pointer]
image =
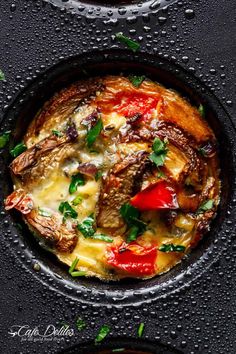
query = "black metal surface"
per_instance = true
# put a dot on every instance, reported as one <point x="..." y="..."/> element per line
<point x="194" y="314"/>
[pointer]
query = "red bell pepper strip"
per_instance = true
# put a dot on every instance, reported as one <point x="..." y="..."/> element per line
<point x="133" y="258"/>
<point x="156" y="196"/>
<point x="132" y="103"/>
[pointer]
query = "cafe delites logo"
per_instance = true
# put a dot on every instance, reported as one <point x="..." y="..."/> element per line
<point x="41" y="333"/>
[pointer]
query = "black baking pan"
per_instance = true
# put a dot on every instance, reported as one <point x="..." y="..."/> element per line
<point x="45" y="47"/>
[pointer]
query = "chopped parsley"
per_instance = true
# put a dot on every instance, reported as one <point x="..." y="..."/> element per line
<point x="205" y="206"/>
<point x="4" y="138"/>
<point x="98" y="175"/>
<point x="103" y="332"/>
<point x="88" y="229"/>
<point x="140" y="329"/>
<point x="136" y="80"/>
<point x="87" y="226"/>
<point x="67" y="211"/>
<point x="44" y="212"/>
<point x="161" y="174"/>
<point x="78" y="273"/>
<point x="131" y="44"/>
<point x="202" y="151"/>
<point x="73" y="265"/>
<point x="94" y="132"/>
<point x="159" y="153"/>
<point x="102" y="238"/>
<point x="18" y="149"/>
<point x="170" y="247"/>
<point x="131" y="215"/>
<point x="2" y="75"/>
<point x="80" y="324"/>
<point x="202" y="111"/>
<point x="77" y="200"/>
<point x="57" y="133"/>
<point x="76" y="180"/>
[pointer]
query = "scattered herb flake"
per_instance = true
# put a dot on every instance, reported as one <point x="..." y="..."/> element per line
<point x="80" y="324"/>
<point x="57" y="133"/>
<point x="103" y="238"/>
<point x="78" y="200"/>
<point x="170" y="247"/>
<point x="159" y="153"/>
<point x="103" y="332"/>
<point x="67" y="210"/>
<point x="44" y="212"/>
<point x="2" y="75"/>
<point x="161" y="174"/>
<point x="131" y="216"/>
<point x="202" y="111"/>
<point x="18" y="149"/>
<point x="4" y="138"/>
<point x="78" y="273"/>
<point x="131" y="44"/>
<point x="94" y="132"/>
<point x="118" y="350"/>
<point x="76" y="180"/>
<point x="73" y="265"/>
<point x="202" y="151"/>
<point x="86" y="227"/>
<point x="205" y="206"/>
<point x="140" y="329"/>
<point x="98" y="175"/>
<point x="136" y="80"/>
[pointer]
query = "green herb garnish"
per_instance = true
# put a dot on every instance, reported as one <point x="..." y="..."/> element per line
<point x="98" y="175"/>
<point x="67" y="210"/>
<point x="57" y="133"/>
<point x="73" y="265"/>
<point x="102" y="238"/>
<point x="131" y="215"/>
<point x="202" y="111"/>
<point x="4" y="138"/>
<point x="170" y="247"/>
<point x="118" y="350"/>
<point x="78" y="273"/>
<point x="80" y="324"/>
<point x="94" y="132"/>
<point x="161" y="174"/>
<point x="44" y="212"/>
<point x="131" y="44"/>
<point x="159" y="153"/>
<point x="103" y="332"/>
<point x="2" y="75"/>
<point x="18" y="149"/>
<point x="77" y="200"/>
<point x="136" y="80"/>
<point x="202" y="151"/>
<point x="140" y="329"/>
<point x="205" y="206"/>
<point x="76" y="180"/>
<point x="87" y="226"/>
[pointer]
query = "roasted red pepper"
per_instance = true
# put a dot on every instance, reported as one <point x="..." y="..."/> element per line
<point x="133" y="258"/>
<point x="156" y="196"/>
<point x="132" y="103"/>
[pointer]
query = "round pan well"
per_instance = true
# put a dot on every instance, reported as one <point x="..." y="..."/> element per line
<point x="24" y="108"/>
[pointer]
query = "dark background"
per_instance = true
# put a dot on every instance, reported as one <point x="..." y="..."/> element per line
<point x="34" y="36"/>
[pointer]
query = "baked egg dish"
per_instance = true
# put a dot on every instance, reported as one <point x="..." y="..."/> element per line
<point x="117" y="176"/>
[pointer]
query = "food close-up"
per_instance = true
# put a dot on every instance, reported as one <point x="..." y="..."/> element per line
<point x="118" y="176"/>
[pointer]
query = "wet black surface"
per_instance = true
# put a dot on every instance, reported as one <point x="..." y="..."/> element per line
<point x="200" y="318"/>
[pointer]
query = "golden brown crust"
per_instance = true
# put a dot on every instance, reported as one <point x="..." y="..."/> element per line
<point x="54" y="233"/>
<point x="59" y="108"/>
